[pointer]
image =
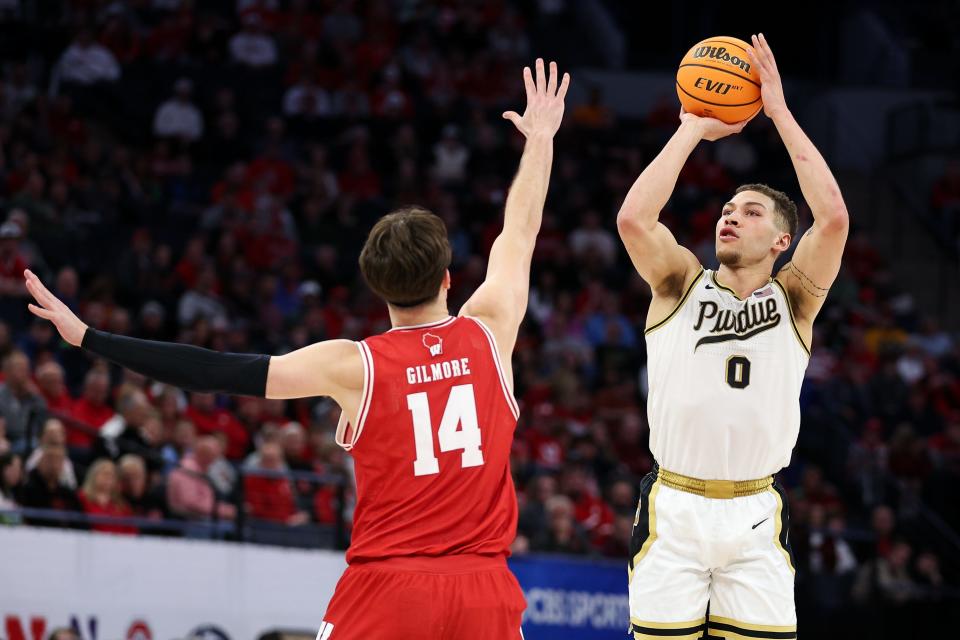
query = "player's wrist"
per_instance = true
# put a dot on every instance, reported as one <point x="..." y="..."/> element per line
<point x="779" y="114"/>
<point x="694" y="126"/>
<point x="540" y="135"/>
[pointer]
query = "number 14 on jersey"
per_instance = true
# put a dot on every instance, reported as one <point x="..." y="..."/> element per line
<point x="460" y="411"/>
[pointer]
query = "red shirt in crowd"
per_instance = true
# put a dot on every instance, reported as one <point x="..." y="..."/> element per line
<point x="223" y="421"/>
<point x="60" y="404"/>
<point x="109" y="509"/>
<point x="595" y="516"/>
<point x="90" y="414"/>
<point x="269" y="498"/>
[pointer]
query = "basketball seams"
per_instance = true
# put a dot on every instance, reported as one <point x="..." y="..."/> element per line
<point x="717" y="104"/>
<point x="712" y="68"/>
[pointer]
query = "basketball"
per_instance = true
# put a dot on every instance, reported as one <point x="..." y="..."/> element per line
<point x="716" y="79"/>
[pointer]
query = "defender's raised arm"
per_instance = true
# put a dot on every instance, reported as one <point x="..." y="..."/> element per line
<point x="501" y="301"/>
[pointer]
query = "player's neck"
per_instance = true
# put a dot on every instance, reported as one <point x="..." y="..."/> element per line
<point x="424" y="314"/>
<point x="743" y="280"/>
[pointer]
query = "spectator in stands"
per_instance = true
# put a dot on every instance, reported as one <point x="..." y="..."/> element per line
<point x="886" y="585"/>
<point x="208" y="418"/>
<point x="180" y="444"/>
<point x="50" y="380"/>
<point x="54" y="435"/>
<point x="5" y="445"/>
<point x="623" y="498"/>
<point x="67" y="286"/>
<point x="591" y="513"/>
<point x="178" y="117"/>
<point x="267" y="496"/>
<point x="533" y="514"/>
<point x="12" y="264"/>
<point x="136" y="428"/>
<point x="63" y="633"/>
<point x="945" y="449"/>
<point x="562" y="535"/>
<point x="202" y="300"/>
<point x="91" y="409"/>
<point x="593" y="244"/>
<point x="450" y="157"/>
<point x="16" y="92"/>
<point x="932" y="338"/>
<point x="87" y="63"/>
<point x="883" y="522"/>
<point x="307" y="101"/>
<point x="251" y="46"/>
<point x="189" y="491"/>
<point x="867" y="464"/>
<point x="828" y="552"/>
<point x="21" y="405"/>
<point x="43" y="488"/>
<point x="945" y="199"/>
<point x="135" y="489"/>
<point x="293" y="439"/>
<point x="11" y="477"/>
<point x="27" y="248"/>
<point x="617" y="545"/>
<point x="100" y="496"/>
<point x="222" y="473"/>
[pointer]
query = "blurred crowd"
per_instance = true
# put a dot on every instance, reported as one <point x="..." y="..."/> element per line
<point x="945" y="205"/>
<point x="207" y="172"/>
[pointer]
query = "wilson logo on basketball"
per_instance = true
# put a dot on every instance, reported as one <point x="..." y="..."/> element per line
<point x="720" y="88"/>
<point x="433" y="343"/>
<point x="720" y="53"/>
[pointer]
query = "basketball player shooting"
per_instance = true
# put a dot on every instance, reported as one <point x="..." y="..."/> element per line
<point x="727" y="351"/>
<point x="428" y="410"/>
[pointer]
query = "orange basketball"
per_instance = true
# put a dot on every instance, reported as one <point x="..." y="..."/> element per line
<point x="716" y="79"/>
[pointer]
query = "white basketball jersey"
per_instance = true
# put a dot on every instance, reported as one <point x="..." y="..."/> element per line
<point x="724" y="377"/>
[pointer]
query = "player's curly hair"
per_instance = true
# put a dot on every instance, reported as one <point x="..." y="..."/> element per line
<point x="405" y="256"/>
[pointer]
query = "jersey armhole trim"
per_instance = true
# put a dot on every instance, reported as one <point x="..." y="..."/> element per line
<point x="793" y="322"/>
<point x="507" y="393"/>
<point x="680" y="303"/>
<point x="366" y="394"/>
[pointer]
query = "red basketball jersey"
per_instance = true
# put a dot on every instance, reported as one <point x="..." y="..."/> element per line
<point x="431" y="446"/>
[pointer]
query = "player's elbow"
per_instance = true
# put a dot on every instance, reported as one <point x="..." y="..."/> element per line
<point x="838" y="220"/>
<point x="630" y="224"/>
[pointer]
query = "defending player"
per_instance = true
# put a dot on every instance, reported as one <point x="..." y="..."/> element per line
<point x="727" y="354"/>
<point x="429" y="410"/>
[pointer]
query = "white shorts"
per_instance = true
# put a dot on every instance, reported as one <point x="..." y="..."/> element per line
<point x="687" y="551"/>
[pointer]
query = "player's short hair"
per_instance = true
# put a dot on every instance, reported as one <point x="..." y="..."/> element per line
<point x="406" y="256"/>
<point x="785" y="208"/>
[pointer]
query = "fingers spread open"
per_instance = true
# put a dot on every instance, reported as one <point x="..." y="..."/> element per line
<point x="528" y="83"/>
<point x="564" y="85"/>
<point x="552" y="80"/>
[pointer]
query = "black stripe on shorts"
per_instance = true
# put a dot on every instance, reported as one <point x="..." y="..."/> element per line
<point x="785" y="635"/>
<point x="666" y="633"/>
<point x="641" y="530"/>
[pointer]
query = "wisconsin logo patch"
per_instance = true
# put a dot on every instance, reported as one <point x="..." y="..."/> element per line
<point x="433" y="343"/>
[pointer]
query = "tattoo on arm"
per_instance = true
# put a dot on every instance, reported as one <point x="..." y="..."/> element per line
<point x="807" y="283"/>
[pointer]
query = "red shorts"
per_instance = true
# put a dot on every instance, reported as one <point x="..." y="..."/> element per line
<point x="451" y="598"/>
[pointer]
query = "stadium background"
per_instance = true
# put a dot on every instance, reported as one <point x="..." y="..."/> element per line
<point x="206" y="172"/>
